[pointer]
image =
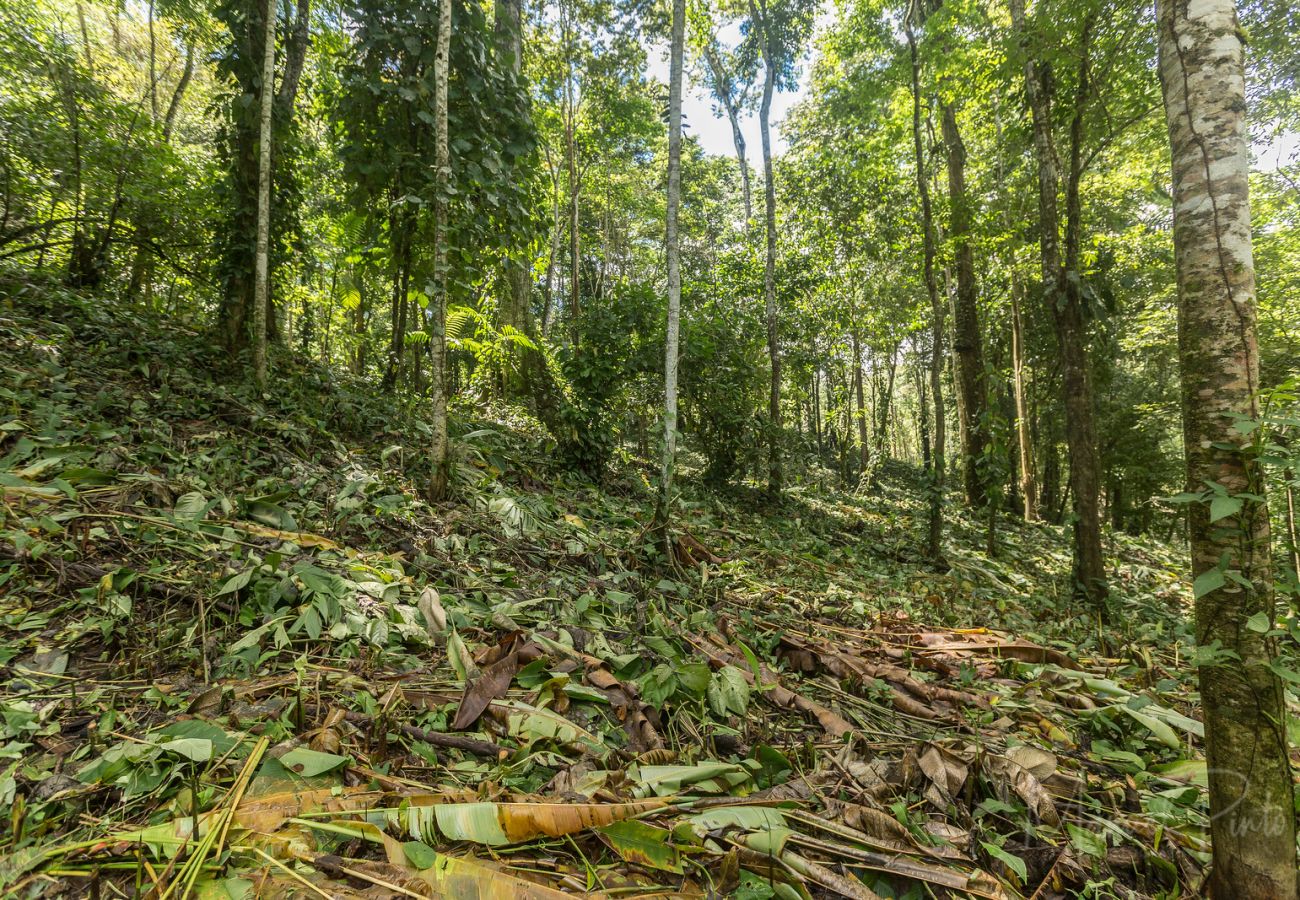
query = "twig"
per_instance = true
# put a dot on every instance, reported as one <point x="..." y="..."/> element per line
<point x="437" y="738"/>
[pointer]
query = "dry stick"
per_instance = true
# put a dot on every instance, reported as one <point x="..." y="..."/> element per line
<point x="437" y="738"/>
<point x="291" y="873"/>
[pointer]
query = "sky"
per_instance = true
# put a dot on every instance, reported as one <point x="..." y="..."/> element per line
<point x="714" y="132"/>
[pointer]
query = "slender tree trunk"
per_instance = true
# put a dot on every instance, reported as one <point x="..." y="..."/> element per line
<point x="935" y="530"/>
<point x="774" y="468"/>
<point x="399" y="242"/>
<point x="722" y="79"/>
<point x="1292" y="530"/>
<point x="153" y="65"/>
<point x="672" y="252"/>
<point x="1028" y="489"/>
<point x="886" y="400"/>
<point x="864" y="446"/>
<point x="816" y="410"/>
<point x="967" y="341"/>
<point x="262" y="264"/>
<point x="517" y="266"/>
<point x="1065" y="301"/>
<point x="571" y="161"/>
<point x="922" y="416"/>
<point x="552" y="259"/>
<point x="1252" y="821"/>
<point x="439" y="450"/>
<point x="329" y="315"/>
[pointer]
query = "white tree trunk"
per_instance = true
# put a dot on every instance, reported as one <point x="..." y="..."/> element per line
<point x="439" y="450"/>
<point x="262" y="258"/>
<point x="774" y="470"/>
<point x="1252" y="821"/>
<point x="672" y="252"/>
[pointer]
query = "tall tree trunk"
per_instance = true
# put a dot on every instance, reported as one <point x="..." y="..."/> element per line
<point x="1292" y="527"/>
<point x="672" y="252"/>
<point x="517" y="266"/>
<point x="399" y="242"/>
<point x="439" y="450"/>
<point x="262" y="266"/>
<point x="1028" y="489"/>
<point x="864" y="446"/>
<point x="722" y="79"/>
<point x="548" y="301"/>
<point x="967" y="341"/>
<point x="816" y="409"/>
<point x="922" y="416"/>
<point x="235" y="312"/>
<point x="1064" y="299"/>
<point x="774" y="468"/>
<point x="571" y="161"/>
<point x="1252" y="816"/>
<point x="935" y="529"/>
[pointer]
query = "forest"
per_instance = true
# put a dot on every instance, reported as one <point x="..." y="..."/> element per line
<point x="699" y="448"/>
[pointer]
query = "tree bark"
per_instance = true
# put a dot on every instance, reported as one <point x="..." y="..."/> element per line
<point x="1252" y="821"/>
<point x="774" y="467"/>
<point x="516" y="266"/>
<point x="1064" y="299"/>
<point x="439" y="450"/>
<point x="1028" y="488"/>
<point x="571" y="161"/>
<point x="864" y="445"/>
<point x="967" y="341"/>
<point x="262" y="265"/>
<point x="672" y="252"/>
<point x="934" y="539"/>
<point x="724" y="93"/>
<point x="236" y="309"/>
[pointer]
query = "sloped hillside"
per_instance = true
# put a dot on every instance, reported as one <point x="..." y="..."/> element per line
<point x="242" y="657"/>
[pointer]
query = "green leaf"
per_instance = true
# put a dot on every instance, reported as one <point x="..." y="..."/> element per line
<point x="694" y="677"/>
<point x="477" y="822"/>
<point x="309" y="763"/>
<point x="236" y="582"/>
<point x="222" y="742"/>
<point x="729" y="692"/>
<point x="1087" y="842"/>
<point x="419" y="854"/>
<point x="271" y="514"/>
<point x="643" y="844"/>
<point x="1014" y="863"/>
<point x="1260" y="622"/>
<point x="194" y="749"/>
<point x="190" y="507"/>
<point x="1208" y="581"/>
<point x="1159" y="729"/>
<point x="750" y="818"/>
<point x="459" y="657"/>
<point x="1222" y="506"/>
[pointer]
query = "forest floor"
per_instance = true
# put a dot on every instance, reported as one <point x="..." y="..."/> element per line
<point x="241" y="657"/>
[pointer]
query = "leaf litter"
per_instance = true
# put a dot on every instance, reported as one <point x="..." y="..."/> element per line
<point x="242" y="658"/>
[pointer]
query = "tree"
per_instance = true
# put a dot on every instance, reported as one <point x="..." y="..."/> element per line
<point x="1252" y="820"/>
<point x="934" y="531"/>
<point x="730" y="82"/>
<point x="239" y="64"/>
<point x="672" y="251"/>
<point x="968" y="345"/>
<point x="439" y="448"/>
<point x="778" y="28"/>
<point x="264" y="145"/>
<point x="1063" y="295"/>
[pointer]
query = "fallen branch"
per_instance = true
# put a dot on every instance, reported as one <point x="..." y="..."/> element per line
<point x="436" y="738"/>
